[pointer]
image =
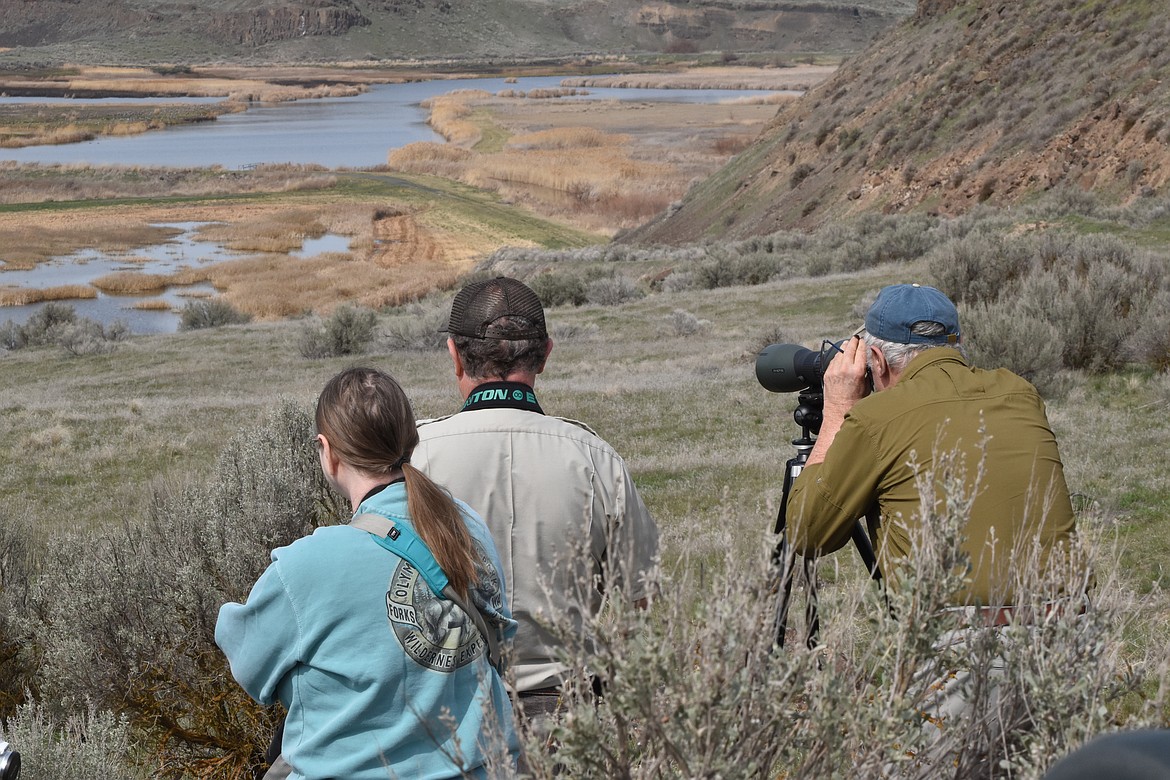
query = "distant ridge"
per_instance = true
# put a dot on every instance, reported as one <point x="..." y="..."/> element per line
<point x="157" y="31"/>
<point x="966" y="102"/>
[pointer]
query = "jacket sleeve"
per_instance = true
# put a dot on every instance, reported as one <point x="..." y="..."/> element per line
<point x="635" y="537"/>
<point x="828" y="498"/>
<point x="260" y="637"/>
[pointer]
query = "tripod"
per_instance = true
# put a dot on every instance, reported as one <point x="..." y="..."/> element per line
<point x="808" y="417"/>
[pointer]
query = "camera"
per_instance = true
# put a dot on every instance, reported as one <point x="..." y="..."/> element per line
<point x="789" y="368"/>
<point x="9" y="762"/>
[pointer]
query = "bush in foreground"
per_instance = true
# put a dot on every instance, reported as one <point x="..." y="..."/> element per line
<point x="696" y="688"/>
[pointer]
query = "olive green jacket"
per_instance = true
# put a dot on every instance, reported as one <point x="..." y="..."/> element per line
<point x="994" y="421"/>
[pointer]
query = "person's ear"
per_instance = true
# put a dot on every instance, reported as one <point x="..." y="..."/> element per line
<point x="879" y="368"/>
<point x="456" y="359"/>
<point x="329" y="459"/>
<point x="548" y="345"/>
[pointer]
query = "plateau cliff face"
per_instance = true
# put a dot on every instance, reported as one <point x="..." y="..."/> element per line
<point x="967" y="102"/>
<point x="285" y="22"/>
<point x="143" y="31"/>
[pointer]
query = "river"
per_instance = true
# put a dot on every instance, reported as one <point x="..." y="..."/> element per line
<point x="346" y="132"/>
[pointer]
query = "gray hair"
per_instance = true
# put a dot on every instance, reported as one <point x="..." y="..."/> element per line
<point x="496" y="358"/>
<point x="898" y="355"/>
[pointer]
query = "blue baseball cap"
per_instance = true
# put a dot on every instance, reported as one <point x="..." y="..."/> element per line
<point x="898" y="307"/>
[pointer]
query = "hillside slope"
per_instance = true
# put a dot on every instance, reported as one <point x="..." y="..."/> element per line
<point x="968" y="101"/>
<point x="146" y="31"/>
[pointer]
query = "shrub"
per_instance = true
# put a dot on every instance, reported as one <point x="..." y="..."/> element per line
<point x="17" y="648"/>
<point x="210" y="313"/>
<point x="46" y="325"/>
<point x="799" y="174"/>
<point x="58" y="324"/>
<point x="1097" y="292"/>
<point x="419" y="326"/>
<point x="613" y="291"/>
<point x="732" y="270"/>
<point x="979" y="267"/>
<point x="1004" y="335"/>
<point x="698" y="688"/>
<point x="868" y="241"/>
<point x="1150" y="344"/>
<point x="81" y="746"/>
<point x="683" y="323"/>
<point x="203" y="544"/>
<point x="348" y="331"/>
<point x="559" y="289"/>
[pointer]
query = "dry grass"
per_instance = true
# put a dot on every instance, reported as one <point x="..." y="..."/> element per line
<point x="800" y="77"/>
<point x="450" y="116"/>
<point x="601" y="165"/>
<point x="131" y="283"/>
<point x="154" y="304"/>
<point x="565" y="138"/>
<point x="397" y="254"/>
<point x="142" y="81"/>
<point x="22" y="296"/>
<point x="44" y="183"/>
<point x="69" y="134"/>
<point x="272" y="231"/>
<point x="276" y="287"/>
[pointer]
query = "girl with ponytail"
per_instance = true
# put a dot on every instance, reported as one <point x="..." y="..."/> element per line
<point x="382" y="674"/>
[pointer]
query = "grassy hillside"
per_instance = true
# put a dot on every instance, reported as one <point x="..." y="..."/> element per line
<point x="149" y="31"/>
<point x="965" y="103"/>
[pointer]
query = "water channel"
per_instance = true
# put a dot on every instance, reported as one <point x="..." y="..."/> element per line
<point x="349" y="132"/>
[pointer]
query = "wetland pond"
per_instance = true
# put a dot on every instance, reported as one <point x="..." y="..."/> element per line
<point x="348" y="132"/>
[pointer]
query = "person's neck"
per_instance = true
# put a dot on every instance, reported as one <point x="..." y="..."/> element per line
<point x="467" y="384"/>
<point x="360" y="486"/>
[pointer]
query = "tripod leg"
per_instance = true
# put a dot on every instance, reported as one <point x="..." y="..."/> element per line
<point x="811" y="609"/>
<point x="785" y="559"/>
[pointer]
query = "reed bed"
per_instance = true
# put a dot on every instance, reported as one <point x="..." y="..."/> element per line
<point x="273" y="287"/>
<point x="272" y="231"/>
<point x="122" y="80"/>
<point x="69" y="134"/>
<point x="23" y="296"/>
<point x="131" y="283"/>
<point x="153" y="304"/>
<point x="566" y="138"/>
<point x="796" y="78"/>
<point x="603" y="166"/>
<point x="42" y="183"/>
<point x="542" y="94"/>
<point x="450" y="117"/>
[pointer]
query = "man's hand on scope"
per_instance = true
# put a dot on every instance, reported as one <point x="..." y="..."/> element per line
<point x="845" y="383"/>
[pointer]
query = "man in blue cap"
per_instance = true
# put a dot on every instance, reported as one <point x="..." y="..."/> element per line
<point x="927" y="402"/>
<point x="901" y="401"/>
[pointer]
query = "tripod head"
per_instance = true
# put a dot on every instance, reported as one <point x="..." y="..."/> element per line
<point x="809" y="413"/>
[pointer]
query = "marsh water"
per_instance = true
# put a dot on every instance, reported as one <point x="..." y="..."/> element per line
<point x="346" y="132"/>
<point x="350" y="132"/>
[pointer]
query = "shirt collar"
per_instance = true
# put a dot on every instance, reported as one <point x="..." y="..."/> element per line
<point x="502" y="395"/>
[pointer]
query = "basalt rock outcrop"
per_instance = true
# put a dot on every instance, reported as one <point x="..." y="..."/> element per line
<point x="285" y="22"/>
